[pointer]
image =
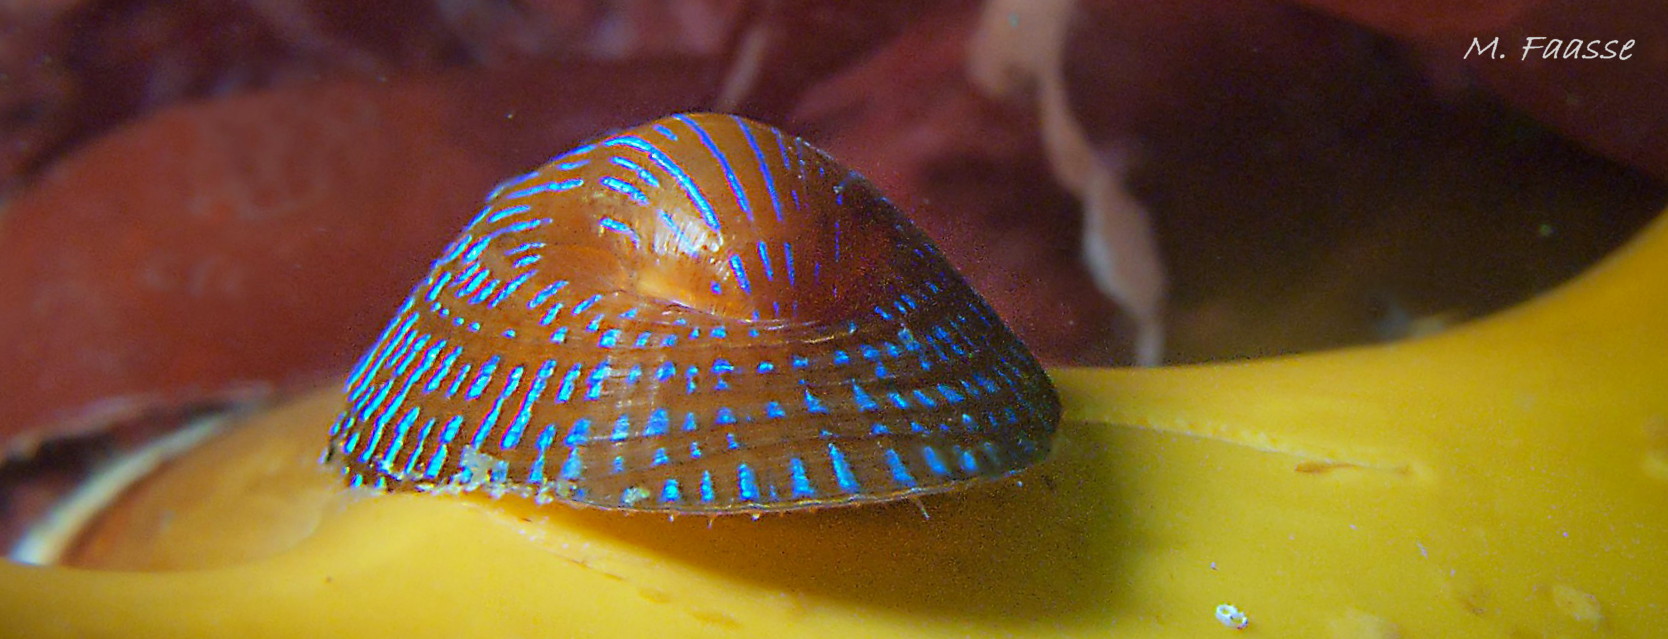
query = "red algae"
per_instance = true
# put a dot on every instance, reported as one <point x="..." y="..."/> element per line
<point x="260" y="239"/>
<point x="1609" y="103"/>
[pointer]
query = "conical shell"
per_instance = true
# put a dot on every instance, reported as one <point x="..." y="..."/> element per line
<point x="699" y="315"/>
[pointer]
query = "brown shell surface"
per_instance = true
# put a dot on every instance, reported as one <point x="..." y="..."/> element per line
<point x="704" y="315"/>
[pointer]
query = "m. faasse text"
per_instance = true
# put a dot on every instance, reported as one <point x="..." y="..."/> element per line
<point x="1546" y="48"/>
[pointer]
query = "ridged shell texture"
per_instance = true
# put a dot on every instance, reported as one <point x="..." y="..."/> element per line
<point x="699" y="315"/>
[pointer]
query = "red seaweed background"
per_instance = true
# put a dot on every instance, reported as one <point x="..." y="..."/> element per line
<point x="1614" y="107"/>
<point x="211" y="198"/>
<point x="160" y="281"/>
